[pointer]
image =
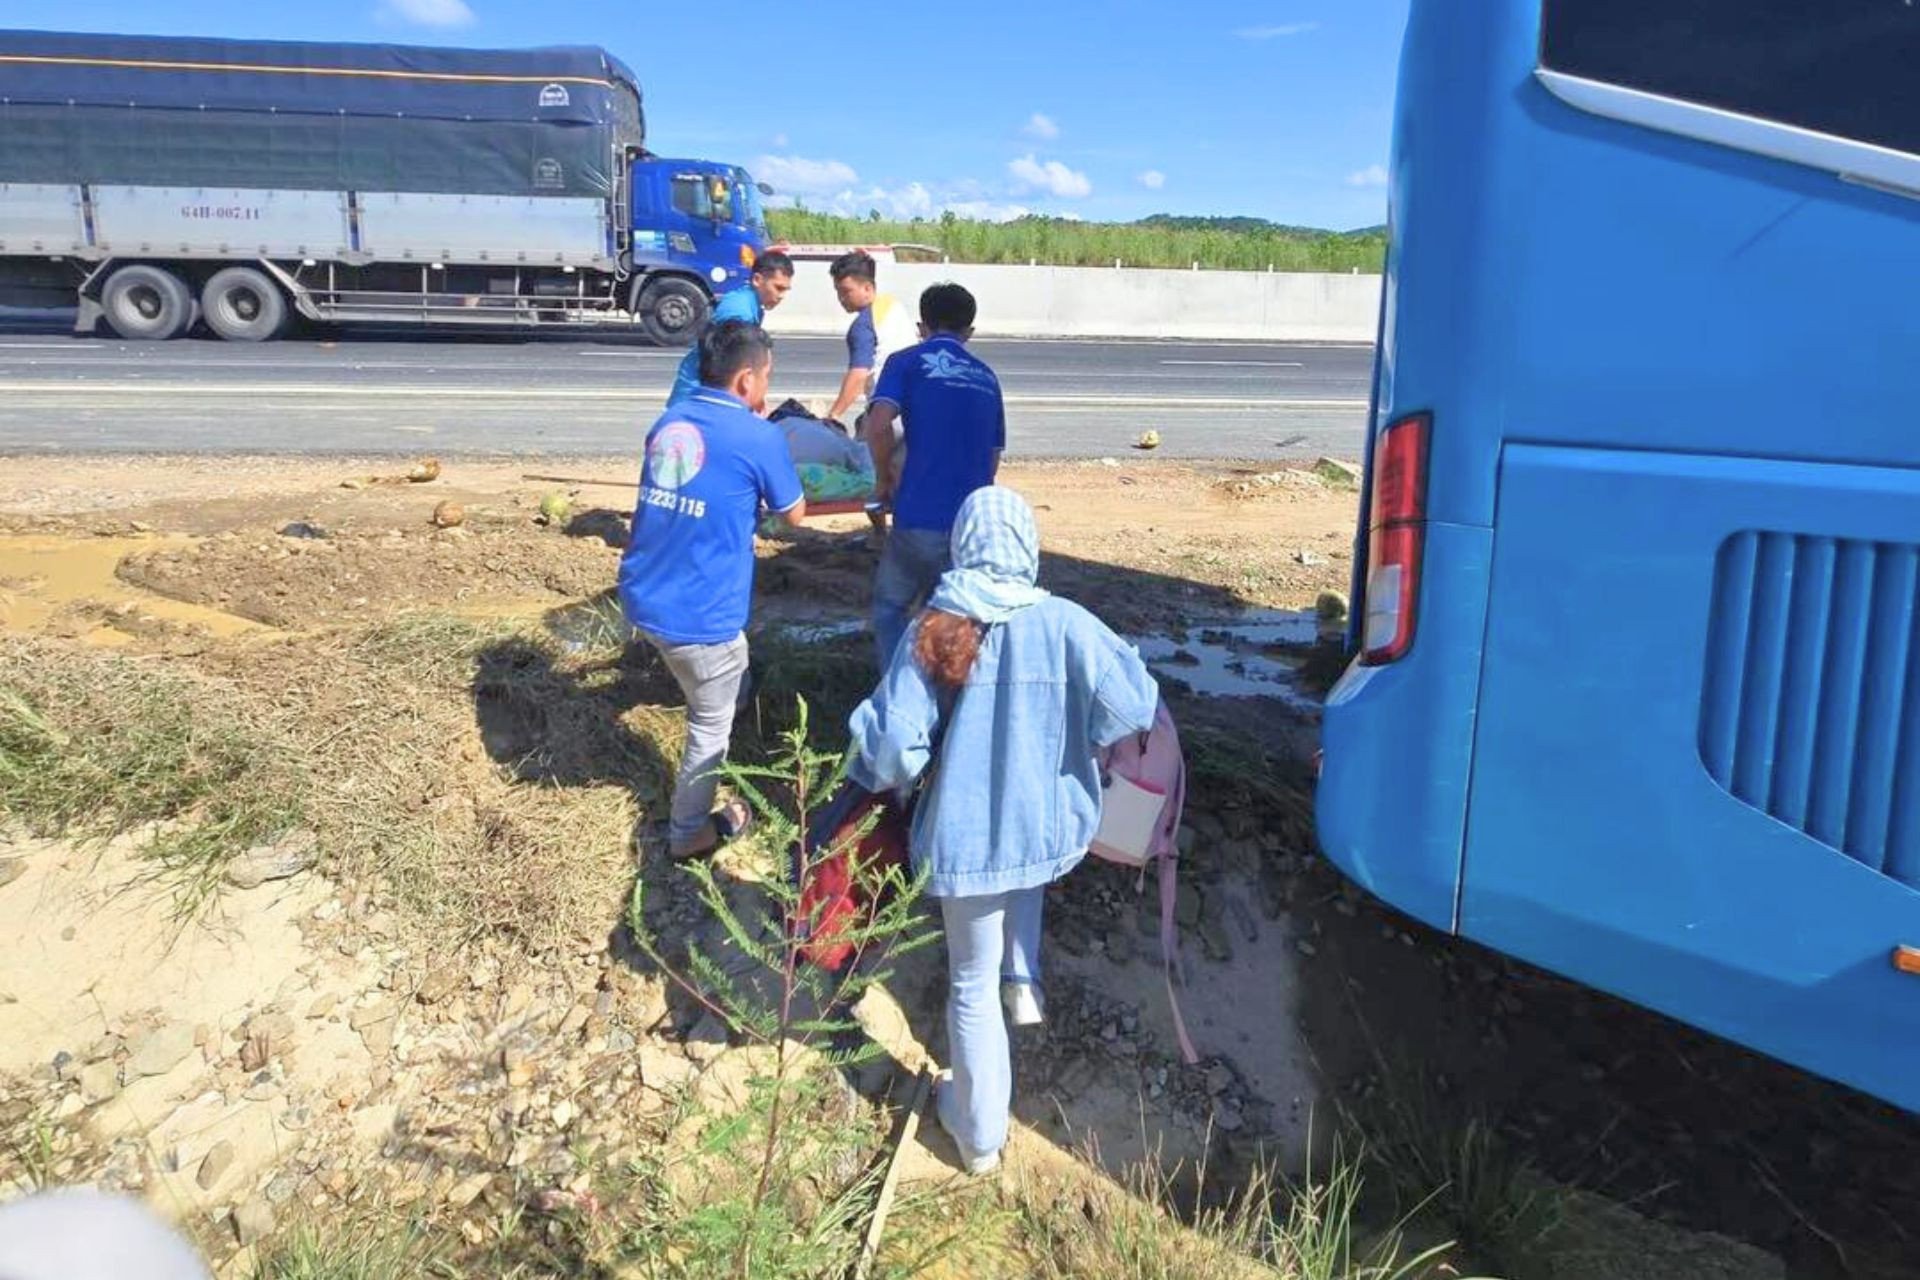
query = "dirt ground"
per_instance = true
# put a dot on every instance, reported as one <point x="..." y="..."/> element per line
<point x="359" y="1050"/>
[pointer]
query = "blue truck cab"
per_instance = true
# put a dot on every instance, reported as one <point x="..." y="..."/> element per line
<point x="161" y="183"/>
<point x="692" y="221"/>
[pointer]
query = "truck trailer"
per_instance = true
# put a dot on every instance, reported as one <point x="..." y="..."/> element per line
<point x="157" y="182"/>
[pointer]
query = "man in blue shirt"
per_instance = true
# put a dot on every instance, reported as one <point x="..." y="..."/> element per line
<point x="765" y="289"/>
<point x="686" y="579"/>
<point x="955" y="426"/>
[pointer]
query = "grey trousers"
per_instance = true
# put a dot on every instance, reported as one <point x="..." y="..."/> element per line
<point x="711" y="676"/>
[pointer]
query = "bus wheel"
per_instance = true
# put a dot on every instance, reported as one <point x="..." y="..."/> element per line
<point x="147" y="304"/>
<point x="673" y="311"/>
<point x="243" y="305"/>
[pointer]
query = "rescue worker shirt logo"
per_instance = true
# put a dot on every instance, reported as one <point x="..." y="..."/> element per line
<point x="676" y="454"/>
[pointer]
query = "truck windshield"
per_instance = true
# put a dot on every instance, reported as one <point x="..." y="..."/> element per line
<point x="751" y="211"/>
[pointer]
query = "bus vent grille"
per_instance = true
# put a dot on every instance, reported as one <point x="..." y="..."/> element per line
<point x="1812" y="707"/>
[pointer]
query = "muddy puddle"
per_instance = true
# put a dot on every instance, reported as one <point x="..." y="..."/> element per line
<point x="43" y="577"/>
<point x="1256" y="654"/>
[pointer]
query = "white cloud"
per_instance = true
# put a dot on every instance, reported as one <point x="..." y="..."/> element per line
<point x="1042" y="127"/>
<point x="1152" y="179"/>
<point x="427" y="13"/>
<point x="797" y="175"/>
<point x="986" y="210"/>
<point x="780" y="141"/>
<point x="1277" y="33"/>
<point x="1372" y="176"/>
<point x="1052" y="177"/>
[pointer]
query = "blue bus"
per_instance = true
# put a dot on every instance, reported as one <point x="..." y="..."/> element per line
<point x="1637" y="694"/>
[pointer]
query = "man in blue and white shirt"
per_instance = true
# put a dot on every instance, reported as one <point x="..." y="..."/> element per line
<point x="713" y="464"/>
<point x="955" y="426"/>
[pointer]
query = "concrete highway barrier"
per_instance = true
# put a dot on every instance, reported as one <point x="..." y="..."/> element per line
<point x="1123" y="302"/>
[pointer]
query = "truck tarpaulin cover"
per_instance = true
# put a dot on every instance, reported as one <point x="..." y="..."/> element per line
<point x="161" y="111"/>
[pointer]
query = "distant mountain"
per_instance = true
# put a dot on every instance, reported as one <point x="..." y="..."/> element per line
<point x="1248" y="226"/>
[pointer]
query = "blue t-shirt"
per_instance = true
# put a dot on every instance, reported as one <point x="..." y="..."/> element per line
<point x="735" y="304"/>
<point x="863" y="340"/>
<point x="954" y="421"/>
<point x="711" y="463"/>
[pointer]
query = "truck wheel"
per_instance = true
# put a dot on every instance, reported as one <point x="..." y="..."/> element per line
<point x="243" y="305"/>
<point x="147" y="304"/>
<point x="673" y="311"/>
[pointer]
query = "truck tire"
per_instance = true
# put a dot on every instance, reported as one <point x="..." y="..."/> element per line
<point x="673" y="310"/>
<point x="243" y="305"/>
<point x="147" y="304"/>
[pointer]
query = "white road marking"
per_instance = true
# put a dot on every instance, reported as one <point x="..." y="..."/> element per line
<point x="1243" y="364"/>
<point x="77" y="390"/>
<point x="641" y="355"/>
<point x="50" y="346"/>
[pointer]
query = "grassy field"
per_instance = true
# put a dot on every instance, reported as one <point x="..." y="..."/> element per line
<point x="1237" y="244"/>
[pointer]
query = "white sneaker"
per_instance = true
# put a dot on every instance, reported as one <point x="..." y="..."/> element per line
<point x="976" y="1165"/>
<point x="1024" y="1004"/>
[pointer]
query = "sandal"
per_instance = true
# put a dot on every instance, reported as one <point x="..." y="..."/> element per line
<point x="731" y="821"/>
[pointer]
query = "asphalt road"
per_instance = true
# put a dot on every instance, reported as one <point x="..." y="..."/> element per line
<point x="592" y="393"/>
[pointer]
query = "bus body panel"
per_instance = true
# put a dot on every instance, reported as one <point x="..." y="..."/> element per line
<point x="1632" y="637"/>
<point x="1672" y="389"/>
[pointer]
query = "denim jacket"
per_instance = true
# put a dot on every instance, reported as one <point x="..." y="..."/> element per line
<point x="1015" y="796"/>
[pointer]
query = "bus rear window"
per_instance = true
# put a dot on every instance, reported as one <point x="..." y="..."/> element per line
<point x="1849" y="68"/>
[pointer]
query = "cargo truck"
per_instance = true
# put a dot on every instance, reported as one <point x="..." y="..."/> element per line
<point x="159" y="183"/>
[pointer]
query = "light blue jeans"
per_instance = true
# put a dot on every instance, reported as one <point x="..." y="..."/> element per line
<point x="910" y="567"/>
<point x="990" y="937"/>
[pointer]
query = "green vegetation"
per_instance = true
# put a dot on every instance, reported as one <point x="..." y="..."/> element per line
<point x="93" y="747"/>
<point x="793" y="1168"/>
<point x="1235" y="244"/>
<point x="1270" y="1228"/>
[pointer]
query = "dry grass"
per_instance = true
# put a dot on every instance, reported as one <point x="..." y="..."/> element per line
<point x="93" y="745"/>
<point x="1266" y="1228"/>
<point x="491" y="781"/>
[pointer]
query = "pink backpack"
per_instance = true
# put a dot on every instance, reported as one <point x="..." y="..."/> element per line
<point x="1143" y="782"/>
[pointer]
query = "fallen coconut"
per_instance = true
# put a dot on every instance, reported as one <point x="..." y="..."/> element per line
<point x="449" y="515"/>
<point x="555" y="508"/>
<point x="1149" y="440"/>
<point x="424" y="471"/>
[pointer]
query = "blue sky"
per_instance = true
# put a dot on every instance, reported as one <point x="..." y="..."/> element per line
<point x="1102" y="109"/>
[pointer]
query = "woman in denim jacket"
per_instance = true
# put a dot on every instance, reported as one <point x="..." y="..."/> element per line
<point x="1036" y="686"/>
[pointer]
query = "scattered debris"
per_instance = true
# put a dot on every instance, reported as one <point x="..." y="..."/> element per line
<point x="214" y="1165"/>
<point x="253" y="1221"/>
<point x="162" y="1050"/>
<point x="424" y="471"/>
<point x="284" y="858"/>
<point x="1336" y="472"/>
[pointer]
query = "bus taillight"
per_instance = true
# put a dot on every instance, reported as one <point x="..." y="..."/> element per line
<point x="1395" y="539"/>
